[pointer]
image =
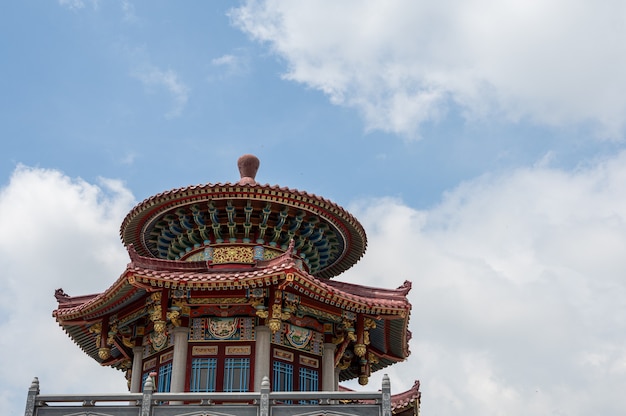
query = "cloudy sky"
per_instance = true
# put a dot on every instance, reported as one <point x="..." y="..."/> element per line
<point x="481" y="144"/>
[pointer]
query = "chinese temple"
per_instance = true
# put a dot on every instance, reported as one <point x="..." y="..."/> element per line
<point x="230" y="284"/>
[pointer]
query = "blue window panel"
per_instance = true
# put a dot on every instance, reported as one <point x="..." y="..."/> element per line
<point x="236" y="374"/>
<point x="165" y="378"/>
<point x="308" y="382"/>
<point x="283" y="376"/>
<point x="203" y="374"/>
<point x="308" y="379"/>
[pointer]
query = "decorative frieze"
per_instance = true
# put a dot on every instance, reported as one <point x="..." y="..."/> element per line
<point x="221" y="329"/>
<point x="300" y="338"/>
<point x="231" y="253"/>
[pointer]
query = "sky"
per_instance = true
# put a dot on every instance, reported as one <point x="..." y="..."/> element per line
<point x="481" y="145"/>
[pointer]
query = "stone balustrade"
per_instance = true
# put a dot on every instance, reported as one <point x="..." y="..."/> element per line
<point x="263" y="403"/>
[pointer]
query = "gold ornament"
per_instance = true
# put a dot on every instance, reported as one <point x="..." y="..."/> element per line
<point x="126" y="340"/>
<point x="274" y="325"/>
<point x="159" y="326"/>
<point x="174" y="317"/>
<point x="104" y="353"/>
<point x="360" y="349"/>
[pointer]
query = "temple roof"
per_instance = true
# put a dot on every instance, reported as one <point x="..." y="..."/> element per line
<point x="227" y="239"/>
<point x="144" y="275"/>
<point x="143" y="272"/>
<point x="402" y="404"/>
<point x="178" y="223"/>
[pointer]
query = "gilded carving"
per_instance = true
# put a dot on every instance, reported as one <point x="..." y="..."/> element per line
<point x="104" y="353"/>
<point x="181" y="306"/>
<point x="133" y="316"/>
<point x="233" y="254"/>
<point x="276" y="319"/>
<point x="360" y="349"/>
<point x="155" y="312"/>
<point x="96" y="329"/>
<point x="159" y="326"/>
<point x="127" y="341"/>
<point x="368" y="324"/>
<point x="259" y="305"/>
<point x="216" y="301"/>
<point x="346" y="360"/>
<point x="307" y="310"/>
<point x="349" y="328"/>
<point x="111" y="334"/>
<point x="373" y="359"/>
<point x="291" y="304"/>
<point x="174" y="317"/>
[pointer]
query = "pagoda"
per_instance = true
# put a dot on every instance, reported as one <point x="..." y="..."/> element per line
<point x="229" y="284"/>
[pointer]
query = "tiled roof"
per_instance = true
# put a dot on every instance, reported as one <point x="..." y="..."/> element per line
<point x="169" y="224"/>
<point x="402" y="403"/>
<point x="406" y="399"/>
<point x="179" y="274"/>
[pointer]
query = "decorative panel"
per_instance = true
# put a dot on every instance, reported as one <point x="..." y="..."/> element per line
<point x="300" y="338"/>
<point x="221" y="329"/>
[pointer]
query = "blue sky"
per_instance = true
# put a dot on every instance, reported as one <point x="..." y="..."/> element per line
<point x="482" y="147"/>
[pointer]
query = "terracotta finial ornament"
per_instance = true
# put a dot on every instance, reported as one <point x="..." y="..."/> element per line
<point x="248" y="166"/>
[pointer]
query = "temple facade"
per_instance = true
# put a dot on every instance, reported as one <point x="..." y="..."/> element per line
<point x="231" y="285"/>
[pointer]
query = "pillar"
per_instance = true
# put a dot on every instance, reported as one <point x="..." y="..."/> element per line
<point x="386" y="392"/>
<point x="179" y="360"/>
<point x="328" y="367"/>
<point x="261" y="355"/>
<point x="31" y="399"/>
<point x="137" y="370"/>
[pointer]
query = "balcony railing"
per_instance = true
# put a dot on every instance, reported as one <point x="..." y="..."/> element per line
<point x="263" y="403"/>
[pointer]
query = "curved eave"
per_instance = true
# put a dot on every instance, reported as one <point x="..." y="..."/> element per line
<point x="200" y="276"/>
<point x="86" y="341"/>
<point x="405" y="403"/>
<point x="408" y="402"/>
<point x="115" y="297"/>
<point x="135" y="226"/>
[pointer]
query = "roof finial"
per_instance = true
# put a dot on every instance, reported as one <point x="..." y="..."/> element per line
<point x="248" y="166"/>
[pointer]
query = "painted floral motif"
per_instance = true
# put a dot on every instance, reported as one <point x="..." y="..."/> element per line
<point x="298" y="337"/>
<point x="223" y="328"/>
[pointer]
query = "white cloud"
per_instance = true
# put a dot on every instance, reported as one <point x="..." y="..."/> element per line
<point x="152" y="76"/>
<point x="72" y="4"/>
<point x="78" y="4"/>
<point x="128" y="10"/>
<point x="518" y="291"/>
<point x="232" y="64"/>
<point x="402" y="63"/>
<point x="57" y="232"/>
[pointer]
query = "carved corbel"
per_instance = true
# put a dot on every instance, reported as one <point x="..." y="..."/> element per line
<point x="275" y="321"/>
<point x="155" y="312"/>
<point x="174" y="317"/>
<point x="364" y="371"/>
<point x="368" y="324"/>
<point x="104" y="352"/>
<point x="349" y="329"/>
<point x="290" y="306"/>
<point x="112" y="332"/>
<point x="360" y="350"/>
